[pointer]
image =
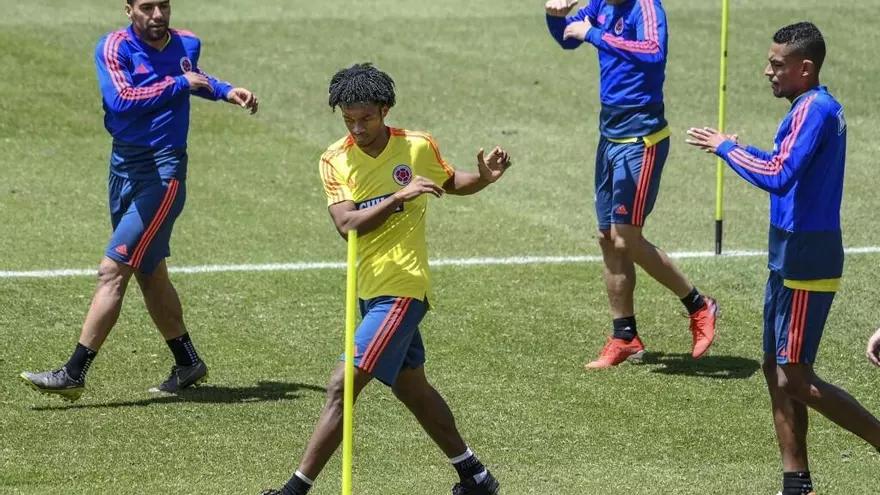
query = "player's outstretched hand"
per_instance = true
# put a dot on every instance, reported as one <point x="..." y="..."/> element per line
<point x="197" y="81"/>
<point x="708" y="139"/>
<point x="418" y="186"/>
<point x="244" y="98"/>
<point x="874" y="348"/>
<point x="493" y="168"/>
<point x="559" y="8"/>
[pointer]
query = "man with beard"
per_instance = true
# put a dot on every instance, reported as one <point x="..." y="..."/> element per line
<point x="146" y="74"/>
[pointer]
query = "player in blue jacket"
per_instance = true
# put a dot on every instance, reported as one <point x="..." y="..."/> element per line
<point x="631" y="39"/>
<point x="146" y="74"/>
<point x="804" y="176"/>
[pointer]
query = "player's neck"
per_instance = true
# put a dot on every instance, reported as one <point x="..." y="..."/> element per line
<point x="793" y="98"/>
<point x="378" y="146"/>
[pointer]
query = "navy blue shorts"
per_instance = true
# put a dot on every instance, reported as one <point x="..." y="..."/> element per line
<point x="388" y="338"/>
<point x="627" y="181"/>
<point x="793" y="321"/>
<point x="142" y="213"/>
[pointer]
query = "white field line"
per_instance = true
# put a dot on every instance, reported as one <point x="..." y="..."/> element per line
<point x="287" y="267"/>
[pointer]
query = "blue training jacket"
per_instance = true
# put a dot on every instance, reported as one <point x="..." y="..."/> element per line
<point x="804" y="175"/>
<point x="632" y="40"/>
<point x="145" y="96"/>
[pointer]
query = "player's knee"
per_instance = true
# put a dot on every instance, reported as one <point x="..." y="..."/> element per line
<point x="152" y="285"/>
<point x="621" y="243"/>
<point x="409" y="394"/>
<point x="794" y="384"/>
<point x="111" y="275"/>
<point x="604" y="238"/>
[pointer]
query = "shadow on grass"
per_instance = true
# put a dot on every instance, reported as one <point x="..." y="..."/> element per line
<point x="265" y="391"/>
<point x="716" y="367"/>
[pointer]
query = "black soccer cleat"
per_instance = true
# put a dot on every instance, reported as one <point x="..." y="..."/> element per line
<point x="182" y="377"/>
<point x="270" y="491"/>
<point x="489" y="486"/>
<point x="56" y="382"/>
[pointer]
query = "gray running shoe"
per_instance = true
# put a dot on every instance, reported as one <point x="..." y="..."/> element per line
<point x="182" y="377"/>
<point x="54" y="382"/>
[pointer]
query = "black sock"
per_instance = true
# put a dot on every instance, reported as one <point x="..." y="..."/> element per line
<point x="693" y="301"/>
<point x="625" y="328"/>
<point x="468" y="465"/>
<point x="183" y="350"/>
<point x="296" y="486"/>
<point x="798" y="483"/>
<point x="78" y="364"/>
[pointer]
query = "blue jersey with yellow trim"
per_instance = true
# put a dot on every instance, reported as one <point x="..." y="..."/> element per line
<point x="632" y="42"/>
<point x="145" y="95"/>
<point x="804" y="176"/>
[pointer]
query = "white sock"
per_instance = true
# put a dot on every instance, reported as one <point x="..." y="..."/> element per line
<point x="304" y="478"/>
<point x="467" y="454"/>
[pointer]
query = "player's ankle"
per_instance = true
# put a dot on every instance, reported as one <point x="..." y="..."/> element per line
<point x="625" y="328"/>
<point x="693" y="301"/>
<point x="299" y="484"/>
<point x="796" y="483"/>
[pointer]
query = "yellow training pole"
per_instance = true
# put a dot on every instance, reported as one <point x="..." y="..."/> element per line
<point x="722" y="117"/>
<point x="348" y="400"/>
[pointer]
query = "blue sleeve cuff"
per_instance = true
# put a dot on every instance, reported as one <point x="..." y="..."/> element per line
<point x="223" y="90"/>
<point x="594" y="36"/>
<point x="725" y="148"/>
<point x="181" y="82"/>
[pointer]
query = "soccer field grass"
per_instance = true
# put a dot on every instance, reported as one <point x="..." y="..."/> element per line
<point x="507" y="342"/>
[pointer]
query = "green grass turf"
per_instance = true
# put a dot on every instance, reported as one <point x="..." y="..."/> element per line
<point x="507" y="343"/>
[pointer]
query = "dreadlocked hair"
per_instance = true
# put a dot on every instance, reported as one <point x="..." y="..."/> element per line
<point x="361" y="84"/>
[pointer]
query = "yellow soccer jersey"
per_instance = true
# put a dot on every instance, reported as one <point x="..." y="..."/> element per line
<point x="393" y="259"/>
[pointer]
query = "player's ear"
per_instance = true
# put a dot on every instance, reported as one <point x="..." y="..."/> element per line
<point x="808" y="68"/>
<point x="385" y="111"/>
<point x="128" y="10"/>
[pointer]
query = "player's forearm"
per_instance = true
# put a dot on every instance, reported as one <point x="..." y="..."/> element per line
<point x="128" y="99"/>
<point x="644" y="51"/>
<point x="369" y="219"/>
<point x="776" y="181"/>
<point x="465" y="183"/>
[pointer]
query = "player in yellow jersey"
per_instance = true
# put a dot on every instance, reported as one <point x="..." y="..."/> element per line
<point x="377" y="181"/>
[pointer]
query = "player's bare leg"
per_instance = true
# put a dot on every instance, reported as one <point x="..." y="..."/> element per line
<point x="799" y="382"/>
<point x="162" y="302"/>
<point x="620" y="276"/>
<point x="328" y="432"/>
<point x="69" y="380"/>
<point x="429" y="408"/>
<point x="166" y="311"/>
<point x="113" y="278"/>
<point x="654" y="261"/>
<point x="620" y="284"/>
<point x="790" y="420"/>
<point x="703" y="310"/>
<point x="432" y="412"/>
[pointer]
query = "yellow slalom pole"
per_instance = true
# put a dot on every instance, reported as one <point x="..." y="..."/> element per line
<point x="348" y="399"/>
<point x="722" y="118"/>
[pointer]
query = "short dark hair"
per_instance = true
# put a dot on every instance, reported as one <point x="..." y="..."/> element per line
<point x="361" y="84"/>
<point x="806" y="41"/>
